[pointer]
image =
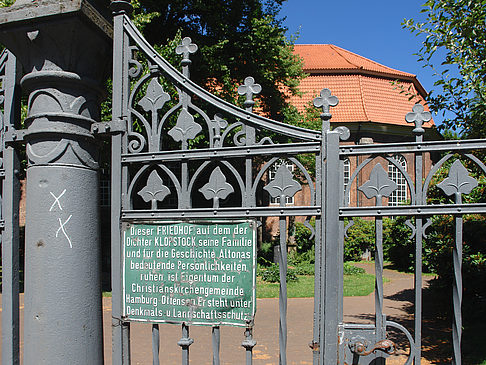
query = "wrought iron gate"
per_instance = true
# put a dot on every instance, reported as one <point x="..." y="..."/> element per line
<point x="211" y="160"/>
<point x="199" y="158"/>
<point x="194" y="157"/>
<point x="9" y="209"/>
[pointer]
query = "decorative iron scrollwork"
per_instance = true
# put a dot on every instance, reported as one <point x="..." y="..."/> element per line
<point x="217" y="188"/>
<point x="155" y="98"/>
<point x="283" y="185"/>
<point x="186" y="128"/>
<point x="379" y="185"/>
<point x="155" y="190"/>
<point x="458" y="182"/>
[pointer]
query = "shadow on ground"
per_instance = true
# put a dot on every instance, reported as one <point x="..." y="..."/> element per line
<point x="437" y="320"/>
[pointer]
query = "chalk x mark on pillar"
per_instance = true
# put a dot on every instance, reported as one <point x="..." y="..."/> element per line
<point x="56" y="200"/>
<point x="61" y="228"/>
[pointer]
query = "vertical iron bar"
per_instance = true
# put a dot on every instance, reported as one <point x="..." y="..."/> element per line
<point x="330" y="232"/>
<point x="248" y="344"/>
<point x="418" y="256"/>
<point x="216" y="344"/>
<point x="250" y="138"/>
<point x="155" y="344"/>
<point x="340" y="243"/>
<point x="457" y="287"/>
<point x="184" y="343"/>
<point x="10" y="214"/>
<point x="418" y="289"/>
<point x="120" y="329"/>
<point x="282" y="300"/>
<point x="379" y="278"/>
<point x="317" y="265"/>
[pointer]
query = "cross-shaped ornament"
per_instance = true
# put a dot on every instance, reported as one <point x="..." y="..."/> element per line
<point x="249" y="88"/>
<point x="185" y="49"/>
<point x="325" y="101"/>
<point x="418" y="116"/>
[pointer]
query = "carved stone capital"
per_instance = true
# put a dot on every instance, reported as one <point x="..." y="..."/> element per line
<point x="65" y="50"/>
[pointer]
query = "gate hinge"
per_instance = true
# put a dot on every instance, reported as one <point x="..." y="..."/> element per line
<point x="113" y="127"/>
<point x="13" y="135"/>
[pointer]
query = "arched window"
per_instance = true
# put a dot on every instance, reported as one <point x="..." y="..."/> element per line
<point x="400" y="194"/>
<point x="346" y="176"/>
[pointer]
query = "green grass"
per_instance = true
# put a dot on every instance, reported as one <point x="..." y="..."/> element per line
<point x="354" y="285"/>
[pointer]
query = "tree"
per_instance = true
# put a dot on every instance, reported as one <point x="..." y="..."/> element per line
<point x="457" y="30"/>
<point x="236" y="39"/>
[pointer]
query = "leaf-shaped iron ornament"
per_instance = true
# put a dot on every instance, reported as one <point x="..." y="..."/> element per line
<point x="379" y="185"/>
<point x="283" y="185"/>
<point x="458" y="182"/>
<point x="217" y="188"/>
<point x="155" y="97"/>
<point x="185" y="127"/>
<point x="155" y="190"/>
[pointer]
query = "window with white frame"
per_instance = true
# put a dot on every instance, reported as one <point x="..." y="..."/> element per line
<point x="400" y="194"/>
<point x="271" y="176"/>
<point x="346" y="176"/>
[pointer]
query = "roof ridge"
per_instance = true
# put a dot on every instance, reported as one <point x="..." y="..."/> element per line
<point x="372" y="61"/>
<point x="361" y="91"/>
<point x="336" y="49"/>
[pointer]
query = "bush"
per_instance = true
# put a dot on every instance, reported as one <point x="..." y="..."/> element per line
<point x="302" y="236"/>
<point x="360" y="236"/>
<point x="271" y="274"/>
<point x="352" y="270"/>
<point x="398" y="248"/>
<point x="265" y="253"/>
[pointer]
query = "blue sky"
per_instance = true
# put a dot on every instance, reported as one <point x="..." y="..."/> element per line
<point x="369" y="28"/>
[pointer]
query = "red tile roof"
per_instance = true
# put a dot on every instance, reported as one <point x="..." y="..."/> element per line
<point x="367" y="91"/>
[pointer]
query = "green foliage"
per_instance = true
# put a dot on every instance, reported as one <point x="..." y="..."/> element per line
<point x="236" y="39"/>
<point x="271" y="274"/>
<point x="360" y="236"/>
<point x="6" y="3"/>
<point x="398" y="248"/>
<point x="454" y="46"/>
<point x="350" y="269"/>
<point x="265" y="253"/>
<point x="303" y="263"/>
<point x="302" y="236"/>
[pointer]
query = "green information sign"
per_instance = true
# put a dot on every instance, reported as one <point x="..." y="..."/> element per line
<point x="193" y="272"/>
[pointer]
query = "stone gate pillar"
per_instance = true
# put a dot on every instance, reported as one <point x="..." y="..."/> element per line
<point x="65" y="50"/>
